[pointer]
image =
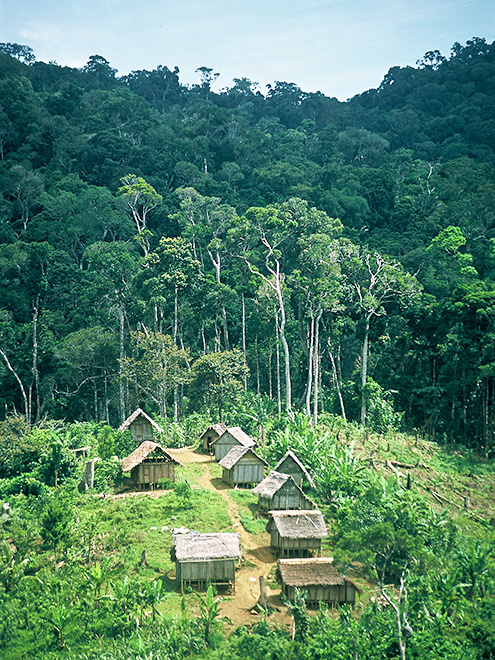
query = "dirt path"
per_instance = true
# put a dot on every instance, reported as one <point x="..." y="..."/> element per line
<point x="258" y="557"/>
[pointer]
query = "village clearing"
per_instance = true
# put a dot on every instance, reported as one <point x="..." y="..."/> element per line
<point x="259" y="560"/>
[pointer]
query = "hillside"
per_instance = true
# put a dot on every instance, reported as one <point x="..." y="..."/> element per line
<point x="93" y="574"/>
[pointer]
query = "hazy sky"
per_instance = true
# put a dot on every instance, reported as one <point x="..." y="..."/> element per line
<point x="339" y="47"/>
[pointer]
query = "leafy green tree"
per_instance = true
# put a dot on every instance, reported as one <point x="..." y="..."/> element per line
<point x="141" y="198"/>
<point x="23" y="53"/>
<point x="218" y="378"/>
<point x="106" y="442"/>
<point x="157" y="368"/>
<point x="376" y="281"/>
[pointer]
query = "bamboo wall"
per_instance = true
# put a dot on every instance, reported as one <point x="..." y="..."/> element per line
<point x="202" y="573"/>
<point x="288" y="497"/>
<point x="150" y="472"/>
<point x="141" y="430"/>
<point x="245" y="471"/>
<point x="224" y="445"/>
<point x="301" y="547"/>
<point x="290" y="467"/>
<point x="332" y="595"/>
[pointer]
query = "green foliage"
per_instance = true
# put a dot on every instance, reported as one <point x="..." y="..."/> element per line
<point x="217" y="378"/>
<point x="106" y="442"/>
<point x="56" y="524"/>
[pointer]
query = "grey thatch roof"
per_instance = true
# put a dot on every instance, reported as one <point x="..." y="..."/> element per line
<point x="142" y="452"/>
<point x="308" y="524"/>
<point x="272" y="484"/>
<point x="134" y="416"/>
<point x="235" y="454"/>
<point x="201" y="547"/>
<point x="288" y="455"/>
<point x="312" y="572"/>
<point x="242" y="438"/>
<point x="218" y="428"/>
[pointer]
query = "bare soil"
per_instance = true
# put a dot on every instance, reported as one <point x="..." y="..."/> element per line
<point x="240" y="608"/>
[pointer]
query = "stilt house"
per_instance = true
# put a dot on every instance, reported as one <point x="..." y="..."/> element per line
<point x="242" y="466"/>
<point x="233" y="436"/>
<point x="290" y="464"/>
<point x="141" y="426"/>
<point x="319" y="579"/>
<point x="203" y="559"/>
<point x="149" y="463"/>
<point x="280" y="491"/>
<point x="211" y="434"/>
<point x="296" y="533"/>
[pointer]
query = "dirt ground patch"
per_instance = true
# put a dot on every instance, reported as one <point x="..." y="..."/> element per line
<point x="240" y="608"/>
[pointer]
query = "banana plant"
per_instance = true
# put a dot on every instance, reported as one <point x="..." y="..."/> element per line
<point x="58" y="618"/>
<point x="210" y="612"/>
<point x="11" y="568"/>
<point x="98" y="575"/>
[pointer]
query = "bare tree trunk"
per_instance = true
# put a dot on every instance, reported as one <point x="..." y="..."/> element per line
<point x="364" y="369"/>
<point x="285" y="345"/>
<point x="95" y="398"/>
<point x="275" y="283"/>
<point x="36" y="374"/>
<point x="309" y="384"/>
<point x="277" y="345"/>
<point x="404" y="630"/>
<point x="270" y="383"/>
<point x="176" y="313"/>
<point x="336" y="381"/>
<point x="20" y="383"/>
<point x="121" y="365"/>
<point x="244" y="337"/>
<point x="257" y="364"/>
<point x="203" y="337"/>
<point x="316" y="363"/>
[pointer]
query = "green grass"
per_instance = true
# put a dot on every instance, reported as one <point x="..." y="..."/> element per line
<point x="247" y="505"/>
<point x="124" y="526"/>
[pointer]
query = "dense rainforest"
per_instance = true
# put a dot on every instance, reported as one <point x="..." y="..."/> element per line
<point x="321" y="273"/>
<point x="345" y="249"/>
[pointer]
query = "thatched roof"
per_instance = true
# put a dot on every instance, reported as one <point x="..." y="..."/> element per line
<point x="272" y="484"/>
<point x="235" y="454"/>
<point x="236" y="432"/>
<point x="308" y="524"/>
<point x="290" y="455"/>
<point x="312" y="573"/>
<point x="134" y="416"/>
<point x="142" y="452"/>
<point x="218" y="428"/>
<point x="201" y="547"/>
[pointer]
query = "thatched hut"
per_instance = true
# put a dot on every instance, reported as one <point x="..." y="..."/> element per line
<point x="296" y="533"/>
<point x="141" y="426"/>
<point x="280" y="491"/>
<point x="319" y="579"/>
<point x="211" y="434"/>
<point x="149" y="463"/>
<point x="290" y="464"/>
<point x="242" y="465"/>
<point x="203" y="559"/>
<point x="233" y="436"/>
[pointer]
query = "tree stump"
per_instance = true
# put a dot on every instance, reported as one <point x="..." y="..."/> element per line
<point x="263" y="601"/>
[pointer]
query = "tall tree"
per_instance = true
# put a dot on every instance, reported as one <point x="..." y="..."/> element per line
<point x="376" y="282"/>
<point x="141" y="198"/>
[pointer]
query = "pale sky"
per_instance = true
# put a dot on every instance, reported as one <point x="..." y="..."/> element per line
<point x="338" y="47"/>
